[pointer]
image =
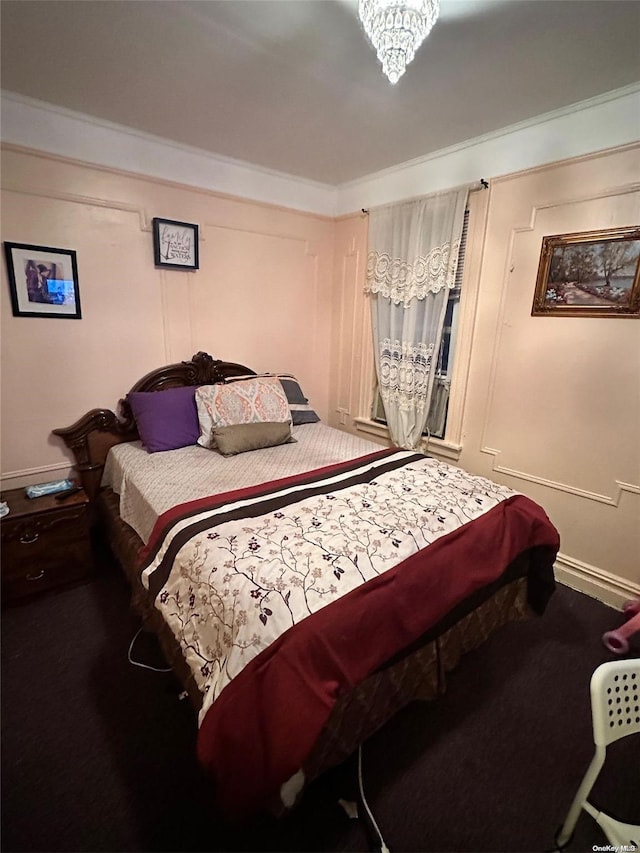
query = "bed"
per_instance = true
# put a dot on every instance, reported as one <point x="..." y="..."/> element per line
<point x="304" y="584"/>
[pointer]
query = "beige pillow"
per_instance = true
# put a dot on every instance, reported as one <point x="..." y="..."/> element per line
<point x="238" y="438"/>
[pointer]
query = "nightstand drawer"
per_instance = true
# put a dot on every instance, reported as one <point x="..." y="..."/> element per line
<point x="44" y="545"/>
<point x="37" y="577"/>
<point x="45" y="536"/>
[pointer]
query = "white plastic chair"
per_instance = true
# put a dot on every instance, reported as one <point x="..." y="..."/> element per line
<point x="615" y="709"/>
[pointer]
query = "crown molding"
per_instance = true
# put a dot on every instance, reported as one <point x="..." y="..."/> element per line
<point x="33" y="124"/>
<point x="606" y="121"/>
<point x="600" y="123"/>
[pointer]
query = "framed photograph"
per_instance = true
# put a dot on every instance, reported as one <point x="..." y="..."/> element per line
<point x="175" y="244"/>
<point x="589" y="274"/>
<point x="43" y="281"/>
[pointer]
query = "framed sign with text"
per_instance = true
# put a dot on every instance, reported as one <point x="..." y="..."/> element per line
<point x="175" y="244"/>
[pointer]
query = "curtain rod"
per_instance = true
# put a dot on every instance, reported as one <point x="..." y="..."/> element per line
<point x="475" y="185"/>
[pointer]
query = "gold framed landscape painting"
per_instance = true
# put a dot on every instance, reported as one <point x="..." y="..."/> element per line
<point x="589" y="274"/>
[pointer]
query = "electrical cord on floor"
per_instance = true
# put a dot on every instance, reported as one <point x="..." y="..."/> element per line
<point x="427" y="439"/>
<point x="144" y="665"/>
<point x="383" y="846"/>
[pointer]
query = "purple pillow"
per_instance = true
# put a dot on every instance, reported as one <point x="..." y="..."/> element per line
<point x="167" y="419"/>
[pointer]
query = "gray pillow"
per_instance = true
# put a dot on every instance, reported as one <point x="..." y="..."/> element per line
<point x="239" y="438"/>
<point x="301" y="411"/>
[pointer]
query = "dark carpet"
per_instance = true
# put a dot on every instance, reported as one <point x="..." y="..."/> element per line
<point x="99" y="755"/>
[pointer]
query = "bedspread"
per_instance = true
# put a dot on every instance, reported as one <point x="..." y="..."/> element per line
<point x="286" y="595"/>
<point x="149" y="484"/>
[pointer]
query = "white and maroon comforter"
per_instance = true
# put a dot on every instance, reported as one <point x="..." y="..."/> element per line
<point x="392" y="541"/>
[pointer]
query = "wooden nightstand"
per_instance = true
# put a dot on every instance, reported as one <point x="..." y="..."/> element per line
<point x="45" y="543"/>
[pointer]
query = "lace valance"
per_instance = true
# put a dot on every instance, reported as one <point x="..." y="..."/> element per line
<point x="402" y="280"/>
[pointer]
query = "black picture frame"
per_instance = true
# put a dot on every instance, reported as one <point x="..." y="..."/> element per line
<point x="175" y="244"/>
<point x="43" y="281"/>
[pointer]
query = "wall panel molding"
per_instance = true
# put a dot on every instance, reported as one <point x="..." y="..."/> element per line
<point x="145" y="222"/>
<point x="612" y="192"/>
<point x="109" y="215"/>
<point x="262" y="232"/>
<point x="508" y="267"/>
<point x="308" y="249"/>
<point x="610" y="500"/>
<point x="536" y="209"/>
<point x="348" y="361"/>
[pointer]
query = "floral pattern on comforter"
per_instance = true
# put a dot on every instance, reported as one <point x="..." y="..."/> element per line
<point x="231" y="578"/>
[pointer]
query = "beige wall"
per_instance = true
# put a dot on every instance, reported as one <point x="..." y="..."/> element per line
<point x="553" y="404"/>
<point x="547" y="405"/>
<point x="262" y="296"/>
<point x="351" y="352"/>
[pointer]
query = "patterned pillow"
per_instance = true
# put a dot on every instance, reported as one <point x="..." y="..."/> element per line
<point x="301" y="411"/>
<point x="247" y="401"/>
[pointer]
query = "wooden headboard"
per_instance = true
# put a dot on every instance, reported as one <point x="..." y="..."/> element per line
<point x="92" y="436"/>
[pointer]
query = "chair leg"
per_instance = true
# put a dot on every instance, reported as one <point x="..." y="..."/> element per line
<point x="565" y="833"/>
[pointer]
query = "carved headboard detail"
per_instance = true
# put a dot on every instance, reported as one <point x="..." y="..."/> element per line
<point x="92" y="436"/>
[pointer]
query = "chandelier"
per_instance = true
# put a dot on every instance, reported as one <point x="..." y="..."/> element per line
<point x="397" y="29"/>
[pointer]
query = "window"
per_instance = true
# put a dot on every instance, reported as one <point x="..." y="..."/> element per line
<point x="437" y="418"/>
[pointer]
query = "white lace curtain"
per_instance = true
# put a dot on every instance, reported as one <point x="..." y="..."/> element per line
<point x="411" y="266"/>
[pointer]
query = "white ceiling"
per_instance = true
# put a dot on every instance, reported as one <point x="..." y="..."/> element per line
<point x="293" y="85"/>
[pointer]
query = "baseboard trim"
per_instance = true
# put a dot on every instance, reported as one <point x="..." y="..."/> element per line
<point x="595" y="582"/>
<point x="28" y="476"/>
